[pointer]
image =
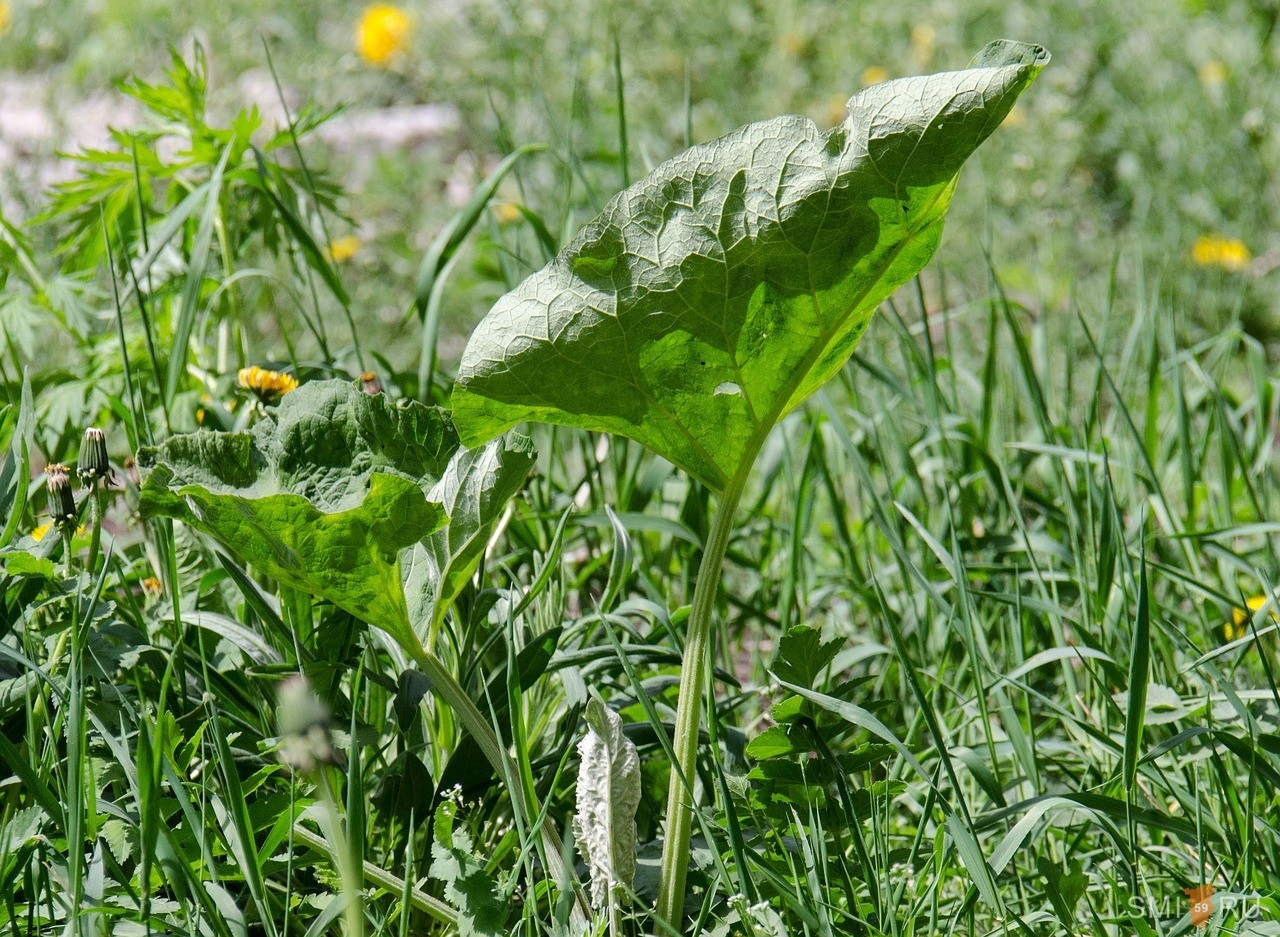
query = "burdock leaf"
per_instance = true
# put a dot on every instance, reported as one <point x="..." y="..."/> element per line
<point x="608" y="796"/>
<point x="322" y="495"/>
<point x="475" y="489"/>
<point x="717" y="293"/>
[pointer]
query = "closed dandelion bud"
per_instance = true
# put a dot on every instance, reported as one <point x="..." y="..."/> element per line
<point x="62" y="503"/>
<point x="94" y="466"/>
<point x="370" y="384"/>
<point x="305" y="742"/>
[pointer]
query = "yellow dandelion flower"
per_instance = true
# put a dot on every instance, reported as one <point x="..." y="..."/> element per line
<point x="923" y="42"/>
<point x="1226" y="253"/>
<point x="43" y="530"/>
<point x="6" y="16"/>
<point x="382" y="33"/>
<point x="344" y="248"/>
<point x="151" y="586"/>
<point x="1213" y="75"/>
<point x="269" y="386"/>
<point x="506" y="212"/>
<point x="1238" y="626"/>
<point x="874" y="75"/>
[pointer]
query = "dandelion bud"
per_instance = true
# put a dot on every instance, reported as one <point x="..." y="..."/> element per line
<point x="305" y="742"/>
<point x="94" y="466"/>
<point x="370" y="384"/>
<point x="62" y="503"/>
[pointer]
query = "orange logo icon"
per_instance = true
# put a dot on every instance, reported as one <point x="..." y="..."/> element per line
<point x="1201" y="900"/>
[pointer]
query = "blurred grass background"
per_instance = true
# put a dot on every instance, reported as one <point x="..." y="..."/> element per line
<point x="1146" y="157"/>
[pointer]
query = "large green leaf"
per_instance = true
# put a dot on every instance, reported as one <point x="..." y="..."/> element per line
<point x="322" y="494"/>
<point x="476" y="487"/>
<point x="717" y="293"/>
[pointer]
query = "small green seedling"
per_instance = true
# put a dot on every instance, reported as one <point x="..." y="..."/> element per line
<point x="715" y="295"/>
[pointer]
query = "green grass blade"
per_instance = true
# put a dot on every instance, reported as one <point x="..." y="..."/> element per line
<point x="437" y="262"/>
<point x="1139" y="674"/>
<point x="239" y="835"/>
<point x="19" y="462"/>
<point x="193" y="287"/>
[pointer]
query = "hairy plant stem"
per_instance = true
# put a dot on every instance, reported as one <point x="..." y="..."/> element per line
<point x="98" y="507"/>
<point x="693" y="681"/>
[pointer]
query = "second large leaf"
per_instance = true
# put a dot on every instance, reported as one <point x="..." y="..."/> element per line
<point x="717" y="293"/>
<point x="323" y="494"/>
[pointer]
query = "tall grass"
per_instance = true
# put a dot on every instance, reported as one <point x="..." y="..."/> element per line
<point x="1042" y="712"/>
<point x="1028" y="526"/>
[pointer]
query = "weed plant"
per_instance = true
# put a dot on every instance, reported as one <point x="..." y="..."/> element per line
<point x="997" y="637"/>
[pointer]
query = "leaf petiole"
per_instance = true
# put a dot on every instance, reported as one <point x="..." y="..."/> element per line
<point x="693" y="681"/>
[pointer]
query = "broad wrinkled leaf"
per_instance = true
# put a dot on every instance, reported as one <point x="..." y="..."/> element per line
<point x="608" y="796"/>
<point x="322" y="494"/>
<point x="717" y="293"/>
<point x="474" y="491"/>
